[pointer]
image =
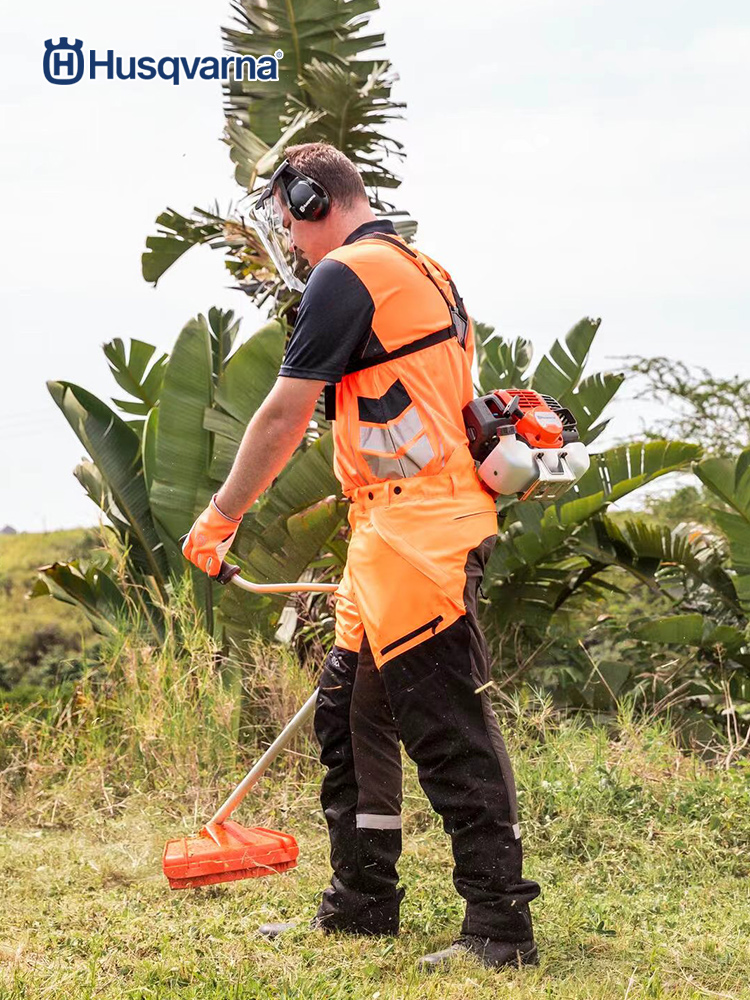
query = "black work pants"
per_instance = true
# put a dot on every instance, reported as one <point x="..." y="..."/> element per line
<point x="429" y="698"/>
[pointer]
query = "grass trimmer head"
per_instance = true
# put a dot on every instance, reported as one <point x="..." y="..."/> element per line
<point x="227" y="852"/>
<point x="224" y="851"/>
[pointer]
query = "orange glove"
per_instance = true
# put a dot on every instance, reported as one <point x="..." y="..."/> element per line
<point x="210" y="538"/>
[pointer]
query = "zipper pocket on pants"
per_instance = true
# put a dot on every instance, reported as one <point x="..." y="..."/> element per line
<point x="412" y="635"/>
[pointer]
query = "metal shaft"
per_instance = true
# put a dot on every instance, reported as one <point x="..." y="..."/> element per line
<point x="285" y="588"/>
<point x="251" y="778"/>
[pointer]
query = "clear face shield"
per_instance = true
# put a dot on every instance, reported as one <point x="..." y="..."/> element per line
<point x="266" y="218"/>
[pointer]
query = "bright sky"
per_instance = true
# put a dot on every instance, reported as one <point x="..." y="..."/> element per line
<point x="566" y="158"/>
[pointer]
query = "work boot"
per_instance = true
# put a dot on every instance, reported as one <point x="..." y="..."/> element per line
<point x="493" y="954"/>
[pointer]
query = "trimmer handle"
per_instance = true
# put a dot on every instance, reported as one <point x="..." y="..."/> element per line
<point x="227" y="571"/>
<point x="231" y="574"/>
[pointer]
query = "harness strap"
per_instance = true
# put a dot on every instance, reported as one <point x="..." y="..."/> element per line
<point x="432" y="338"/>
<point x="419" y="261"/>
<point x="401" y="352"/>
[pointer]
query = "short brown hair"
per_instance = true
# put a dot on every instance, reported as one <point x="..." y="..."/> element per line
<point x="329" y="167"/>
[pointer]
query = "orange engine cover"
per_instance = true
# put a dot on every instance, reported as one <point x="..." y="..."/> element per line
<point x="537" y="423"/>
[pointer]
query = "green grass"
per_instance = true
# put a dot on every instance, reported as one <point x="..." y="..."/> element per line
<point x="642" y="850"/>
<point x="643" y="855"/>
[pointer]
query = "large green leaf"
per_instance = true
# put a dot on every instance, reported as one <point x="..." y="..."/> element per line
<point x="245" y="382"/>
<point x="559" y="371"/>
<point x="170" y="546"/>
<point x="304" y="30"/>
<point x="251" y="372"/>
<point x="641" y="544"/>
<point x="177" y="235"/>
<point x="691" y="630"/>
<point x="89" y="476"/>
<point x="533" y="594"/>
<point x="86" y="584"/>
<point x="588" y="401"/>
<point x="223" y="329"/>
<point x="729" y="480"/>
<point x="352" y="109"/>
<point x="502" y="364"/>
<point x="618" y="471"/>
<point x="181" y="486"/>
<point x="534" y="531"/>
<point x="254" y="158"/>
<point x="116" y="451"/>
<point x="132" y="373"/>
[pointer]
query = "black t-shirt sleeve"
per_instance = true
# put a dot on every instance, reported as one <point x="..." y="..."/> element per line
<point x="334" y="321"/>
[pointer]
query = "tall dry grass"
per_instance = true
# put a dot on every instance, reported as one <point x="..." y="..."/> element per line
<point x="177" y="719"/>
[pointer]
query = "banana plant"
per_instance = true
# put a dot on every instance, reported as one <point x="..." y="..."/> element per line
<point x="328" y="91"/>
<point x="118" y="485"/>
<point x="152" y="484"/>
<point x="694" y="656"/>
<point x="558" y="374"/>
<point x="729" y="481"/>
<point x="722" y="625"/>
<point x="88" y="584"/>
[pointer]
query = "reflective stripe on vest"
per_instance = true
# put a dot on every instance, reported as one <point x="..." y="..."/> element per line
<point x="392" y="437"/>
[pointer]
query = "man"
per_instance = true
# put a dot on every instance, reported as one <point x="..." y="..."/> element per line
<point x="385" y="325"/>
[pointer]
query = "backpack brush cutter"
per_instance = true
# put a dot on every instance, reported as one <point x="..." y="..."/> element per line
<point x="526" y="444"/>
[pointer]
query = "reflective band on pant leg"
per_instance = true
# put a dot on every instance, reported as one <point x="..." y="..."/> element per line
<point x="373" y="821"/>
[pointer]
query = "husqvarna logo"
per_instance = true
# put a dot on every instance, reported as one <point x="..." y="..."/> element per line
<point x="65" y="63"/>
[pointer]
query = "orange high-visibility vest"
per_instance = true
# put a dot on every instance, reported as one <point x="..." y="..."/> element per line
<point x="398" y="406"/>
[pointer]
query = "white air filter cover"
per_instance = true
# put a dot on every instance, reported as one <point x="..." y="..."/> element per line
<point x="577" y="458"/>
<point x="512" y="468"/>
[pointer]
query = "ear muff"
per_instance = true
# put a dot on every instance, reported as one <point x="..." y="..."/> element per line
<point x="308" y="200"/>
